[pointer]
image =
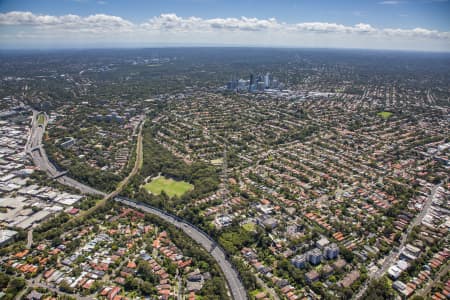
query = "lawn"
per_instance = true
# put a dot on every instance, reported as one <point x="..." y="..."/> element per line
<point x="385" y="114"/>
<point x="41" y="119"/>
<point x="249" y="226"/>
<point x="169" y="186"/>
<point x="217" y="162"/>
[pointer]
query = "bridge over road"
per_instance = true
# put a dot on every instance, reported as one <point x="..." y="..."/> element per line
<point x="34" y="148"/>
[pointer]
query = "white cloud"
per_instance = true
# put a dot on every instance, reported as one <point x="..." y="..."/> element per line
<point x="26" y="18"/>
<point x="171" y="22"/>
<point x="97" y="22"/>
<point x="174" y="22"/>
<point x="243" y="23"/>
<point x="321" y="27"/>
<point x="171" y="28"/>
<point x="417" y="32"/>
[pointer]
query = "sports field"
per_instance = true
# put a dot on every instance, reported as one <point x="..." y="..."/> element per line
<point x="385" y="114"/>
<point x="169" y="186"/>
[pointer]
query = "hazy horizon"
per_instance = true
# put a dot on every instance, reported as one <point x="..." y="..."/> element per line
<point x="387" y="25"/>
<point x="214" y="46"/>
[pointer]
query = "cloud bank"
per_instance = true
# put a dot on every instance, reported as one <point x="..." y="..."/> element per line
<point x="26" y="29"/>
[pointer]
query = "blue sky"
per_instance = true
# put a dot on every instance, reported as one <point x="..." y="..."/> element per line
<point x="413" y="13"/>
<point x="409" y="23"/>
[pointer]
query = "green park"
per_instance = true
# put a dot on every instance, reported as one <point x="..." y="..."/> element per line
<point x="41" y="119"/>
<point x="169" y="186"/>
<point x="385" y="114"/>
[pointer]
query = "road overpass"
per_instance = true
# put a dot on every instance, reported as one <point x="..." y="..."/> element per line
<point x="37" y="152"/>
<point x="40" y="159"/>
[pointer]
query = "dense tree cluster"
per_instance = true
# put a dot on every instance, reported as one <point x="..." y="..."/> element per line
<point x="379" y="289"/>
<point x="160" y="161"/>
<point x="11" y="285"/>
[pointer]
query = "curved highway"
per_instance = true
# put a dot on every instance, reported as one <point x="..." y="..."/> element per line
<point x="231" y="276"/>
<point x="37" y="152"/>
<point x="35" y="149"/>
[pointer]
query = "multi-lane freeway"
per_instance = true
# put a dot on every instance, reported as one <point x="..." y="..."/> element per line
<point x="231" y="276"/>
<point x="36" y="150"/>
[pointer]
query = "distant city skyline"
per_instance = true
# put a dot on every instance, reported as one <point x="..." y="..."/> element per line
<point x="420" y="25"/>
